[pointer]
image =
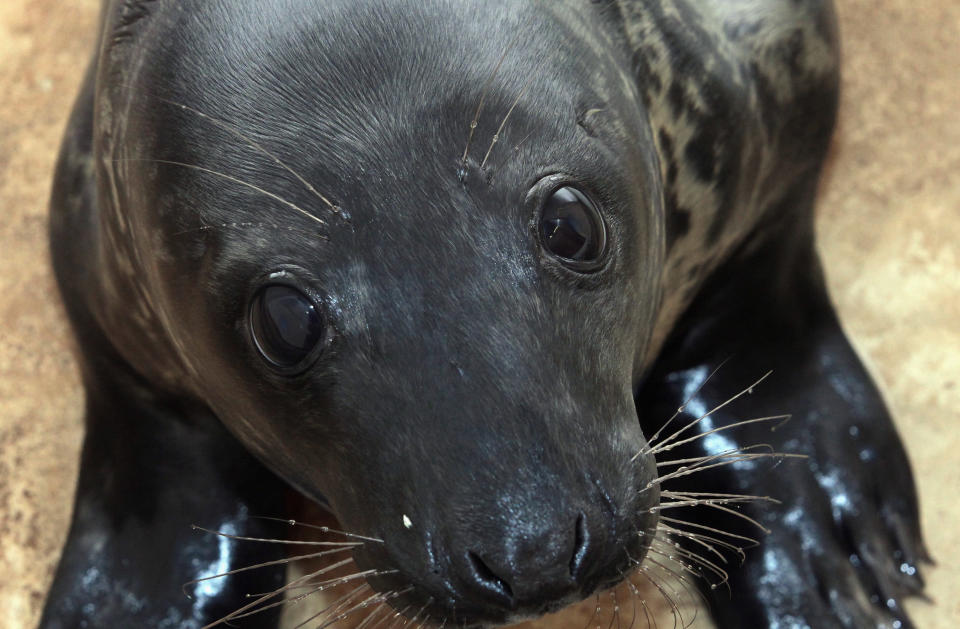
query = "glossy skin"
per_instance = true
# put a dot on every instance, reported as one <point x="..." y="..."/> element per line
<point x="476" y="402"/>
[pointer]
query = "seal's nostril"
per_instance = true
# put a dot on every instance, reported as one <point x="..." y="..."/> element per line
<point x="486" y="577"/>
<point x="581" y="541"/>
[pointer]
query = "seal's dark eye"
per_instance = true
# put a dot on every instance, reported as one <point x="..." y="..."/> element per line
<point x="285" y="324"/>
<point x="571" y="228"/>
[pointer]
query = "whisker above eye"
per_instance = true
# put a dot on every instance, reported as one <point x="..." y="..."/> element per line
<point x="485" y="91"/>
<point x="503" y="123"/>
<point x="241" y="225"/>
<point x="231" y="178"/>
<point x="257" y="147"/>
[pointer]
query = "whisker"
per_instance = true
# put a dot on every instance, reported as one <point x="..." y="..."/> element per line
<point x="710" y="494"/>
<point x="380" y="608"/>
<point x="705" y="415"/>
<point x="674" y="609"/>
<point x="398" y="614"/>
<point x="741" y="451"/>
<point x="322" y="529"/>
<point x="692" y="592"/>
<point x="335" y="605"/>
<point x="241" y="182"/>
<point x="675" y="435"/>
<point x="689" y="568"/>
<point x="503" y="123"/>
<point x="278" y="591"/>
<point x="683" y="406"/>
<point x="616" y="610"/>
<point x="693" y="502"/>
<point x="708" y="542"/>
<point x="257" y="147"/>
<point x="739" y="458"/>
<point x="667" y="446"/>
<point x="673" y="533"/>
<point x="334" y="582"/>
<point x="389" y="609"/>
<point x="484" y="91"/>
<point x="703" y="527"/>
<point x="596" y="612"/>
<point x="274" y="541"/>
<point x="375" y="598"/>
<point x="698" y="563"/>
<point x="275" y="562"/>
<point x="248" y="225"/>
<point x="383" y="607"/>
<point x="315" y="589"/>
<point x="713" y="505"/>
<point x="633" y="617"/>
<point x="522" y="140"/>
<point x="638" y="596"/>
<point x="420" y="611"/>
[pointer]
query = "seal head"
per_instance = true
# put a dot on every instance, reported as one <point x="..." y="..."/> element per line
<point x="438" y="334"/>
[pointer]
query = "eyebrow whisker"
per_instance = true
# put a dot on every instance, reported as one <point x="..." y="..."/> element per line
<point x="496" y="136"/>
<point x="484" y="92"/>
<point x="234" y="180"/>
<point x="257" y="147"/>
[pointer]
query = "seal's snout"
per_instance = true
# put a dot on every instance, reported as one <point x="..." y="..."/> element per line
<point x="511" y="580"/>
<point x="540" y="552"/>
<point x="523" y="578"/>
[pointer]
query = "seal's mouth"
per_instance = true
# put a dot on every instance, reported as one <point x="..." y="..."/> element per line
<point x="496" y="602"/>
<point x="331" y="583"/>
<point x="428" y="572"/>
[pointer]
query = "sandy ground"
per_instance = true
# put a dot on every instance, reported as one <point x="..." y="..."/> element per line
<point x="889" y="229"/>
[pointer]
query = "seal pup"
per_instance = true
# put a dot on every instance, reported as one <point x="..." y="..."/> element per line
<point x="446" y="268"/>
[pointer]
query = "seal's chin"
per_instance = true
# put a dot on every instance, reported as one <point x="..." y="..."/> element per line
<point x="420" y="609"/>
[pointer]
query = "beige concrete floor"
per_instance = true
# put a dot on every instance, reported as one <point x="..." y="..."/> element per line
<point x="889" y="232"/>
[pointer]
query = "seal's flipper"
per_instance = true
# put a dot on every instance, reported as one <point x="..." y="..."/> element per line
<point x="844" y="542"/>
<point x="151" y="469"/>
